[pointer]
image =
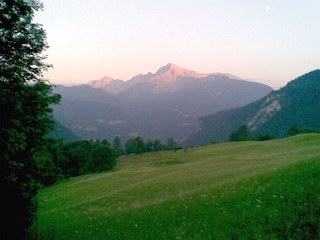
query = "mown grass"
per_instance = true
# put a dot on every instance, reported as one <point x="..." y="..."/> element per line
<point x="245" y="190"/>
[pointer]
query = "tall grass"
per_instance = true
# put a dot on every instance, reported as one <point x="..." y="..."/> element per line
<point x="249" y="190"/>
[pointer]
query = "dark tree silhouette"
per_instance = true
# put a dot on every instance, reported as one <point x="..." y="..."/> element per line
<point x="135" y="145"/>
<point x="117" y="146"/>
<point x="241" y="134"/>
<point x="101" y="158"/>
<point x="24" y="107"/>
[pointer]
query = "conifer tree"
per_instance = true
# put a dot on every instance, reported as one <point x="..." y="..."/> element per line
<point x="117" y="146"/>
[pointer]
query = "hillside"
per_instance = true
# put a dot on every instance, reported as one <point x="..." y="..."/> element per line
<point x="296" y="104"/>
<point x="153" y="105"/>
<point x="237" y="190"/>
<point x="62" y="132"/>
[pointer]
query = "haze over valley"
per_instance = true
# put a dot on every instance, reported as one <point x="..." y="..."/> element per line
<point x="152" y="105"/>
<point x="173" y="103"/>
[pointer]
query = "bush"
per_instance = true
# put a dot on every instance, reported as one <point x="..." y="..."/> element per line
<point x="264" y="137"/>
<point x="101" y="158"/>
<point x="296" y="130"/>
<point x="241" y="134"/>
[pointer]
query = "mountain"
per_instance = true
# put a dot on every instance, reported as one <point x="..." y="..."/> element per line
<point x="154" y="105"/>
<point x="62" y="132"/>
<point x="83" y="92"/>
<point x="186" y="91"/>
<point x="295" y="105"/>
<point x="91" y="113"/>
<point x="100" y="83"/>
<point x="165" y="76"/>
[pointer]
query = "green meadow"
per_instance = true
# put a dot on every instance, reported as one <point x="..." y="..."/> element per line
<point x="238" y="190"/>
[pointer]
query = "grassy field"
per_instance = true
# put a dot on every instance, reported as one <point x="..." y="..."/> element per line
<point x="242" y="190"/>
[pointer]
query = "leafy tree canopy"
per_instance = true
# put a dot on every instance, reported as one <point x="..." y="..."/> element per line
<point x="241" y="134"/>
<point x="24" y="108"/>
<point x="172" y="144"/>
<point x="102" y="158"/>
<point x="135" y="145"/>
<point x="296" y="130"/>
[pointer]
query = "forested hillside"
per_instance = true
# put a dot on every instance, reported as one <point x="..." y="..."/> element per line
<point x="62" y="132"/>
<point x="295" y="105"/>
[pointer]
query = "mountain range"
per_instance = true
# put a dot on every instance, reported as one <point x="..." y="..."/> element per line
<point x="157" y="105"/>
<point x="295" y="105"/>
<point x="166" y="79"/>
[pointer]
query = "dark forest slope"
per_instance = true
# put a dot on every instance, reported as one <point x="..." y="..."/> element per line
<point x="296" y="104"/>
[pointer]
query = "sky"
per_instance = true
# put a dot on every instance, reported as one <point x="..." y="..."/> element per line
<point x="267" y="41"/>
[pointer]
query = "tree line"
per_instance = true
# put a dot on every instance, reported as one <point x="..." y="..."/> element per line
<point x="243" y="133"/>
<point x="138" y="145"/>
<point x="57" y="161"/>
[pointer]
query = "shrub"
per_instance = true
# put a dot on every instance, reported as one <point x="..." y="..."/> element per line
<point x="101" y="158"/>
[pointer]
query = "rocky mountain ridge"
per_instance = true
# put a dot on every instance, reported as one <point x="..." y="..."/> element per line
<point x="295" y="105"/>
<point x="165" y="76"/>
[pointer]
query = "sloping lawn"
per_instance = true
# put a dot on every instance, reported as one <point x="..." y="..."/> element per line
<point x="243" y="190"/>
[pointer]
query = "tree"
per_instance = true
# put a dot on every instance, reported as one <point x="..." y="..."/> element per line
<point x="150" y="146"/>
<point x="154" y="146"/>
<point x="24" y="108"/>
<point x="264" y="137"/>
<point x="102" y="158"/>
<point x="172" y="144"/>
<point x="49" y="172"/>
<point x="105" y="142"/>
<point x="241" y="134"/>
<point x="296" y="130"/>
<point x="135" y="145"/>
<point x="117" y="146"/>
<point x="77" y="154"/>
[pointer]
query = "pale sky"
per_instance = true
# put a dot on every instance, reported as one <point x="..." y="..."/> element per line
<point x="267" y="41"/>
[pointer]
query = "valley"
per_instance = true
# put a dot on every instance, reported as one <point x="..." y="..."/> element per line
<point x="157" y="105"/>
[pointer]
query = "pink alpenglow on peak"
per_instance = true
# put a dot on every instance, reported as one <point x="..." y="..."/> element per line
<point x="171" y="72"/>
<point x="164" y="76"/>
<point x="101" y="82"/>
